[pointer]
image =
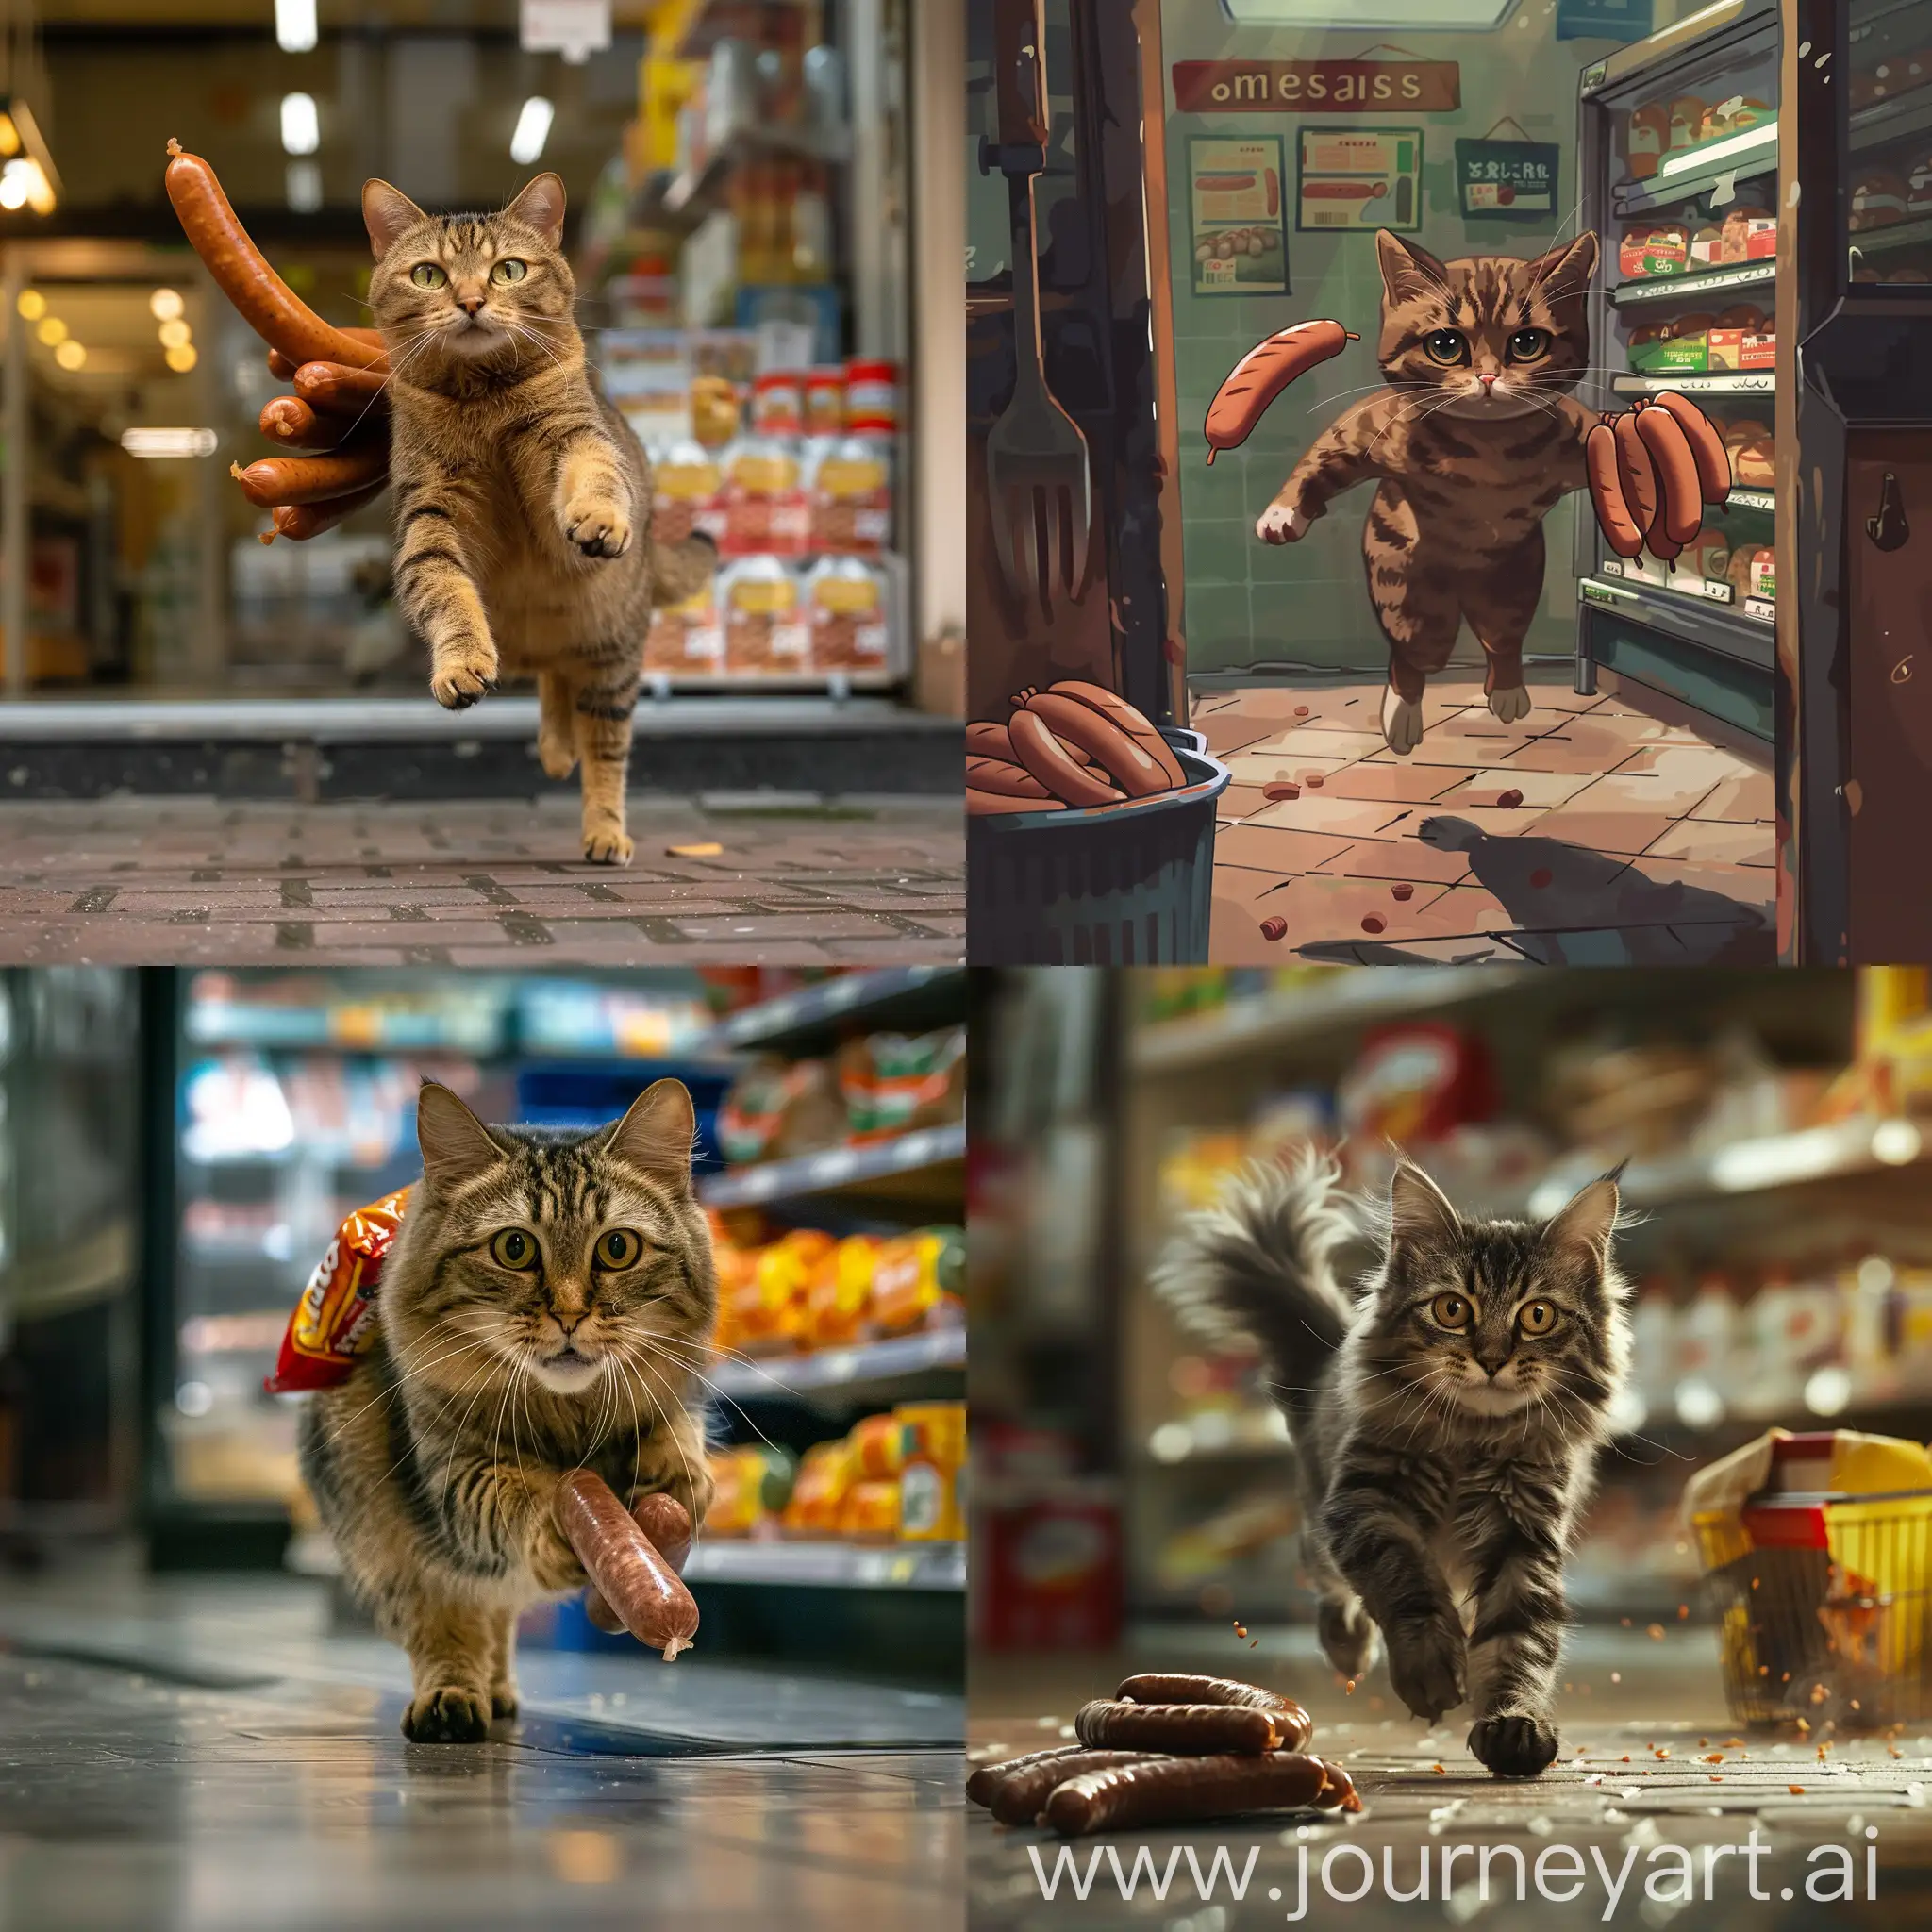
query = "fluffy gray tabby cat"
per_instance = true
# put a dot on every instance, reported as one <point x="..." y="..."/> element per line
<point x="1446" y="1421"/>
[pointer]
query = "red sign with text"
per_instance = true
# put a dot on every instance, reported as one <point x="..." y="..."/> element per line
<point x="1315" y="87"/>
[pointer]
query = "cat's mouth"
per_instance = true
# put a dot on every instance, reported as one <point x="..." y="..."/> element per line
<point x="1490" y="1398"/>
<point x="567" y="1369"/>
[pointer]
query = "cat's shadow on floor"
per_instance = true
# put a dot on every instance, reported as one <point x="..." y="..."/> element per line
<point x="1574" y="907"/>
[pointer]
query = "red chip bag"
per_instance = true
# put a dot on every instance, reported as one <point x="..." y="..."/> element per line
<point x="335" y="1319"/>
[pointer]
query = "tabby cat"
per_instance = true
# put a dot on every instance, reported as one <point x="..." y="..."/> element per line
<point x="523" y="497"/>
<point x="1474" y="439"/>
<point x="1446" y="1421"/>
<point x="546" y="1307"/>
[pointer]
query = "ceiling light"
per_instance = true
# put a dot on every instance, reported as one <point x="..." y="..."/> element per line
<point x="181" y="360"/>
<point x="301" y="128"/>
<point x="303" y="186"/>
<point x="9" y="136"/>
<point x="294" y="26"/>
<point x="168" y="442"/>
<point x="28" y="180"/>
<point x="13" y="186"/>
<point x="32" y="305"/>
<point x="174" y="333"/>
<point x="70" y="355"/>
<point x="165" y="304"/>
<point x="533" y="130"/>
<point x="51" y="330"/>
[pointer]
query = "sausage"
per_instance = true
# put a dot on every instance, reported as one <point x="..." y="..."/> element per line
<point x="298" y="522"/>
<point x="348" y="392"/>
<point x="263" y="299"/>
<point x="1081" y="728"/>
<point x="628" y="1572"/>
<point x="1635" y="473"/>
<point x="667" y="1523"/>
<point x="1048" y="758"/>
<point x="1707" y="445"/>
<point x="1607" y="492"/>
<point x="1262" y="374"/>
<point x="1172" y="1687"/>
<point x="288" y="421"/>
<point x="982" y="805"/>
<point x="986" y="740"/>
<point x="276" y="480"/>
<point x="1679" y="498"/>
<point x="1171" y="1791"/>
<point x="1118" y="712"/>
<point x="1017" y="1799"/>
<point x="1010" y="780"/>
<point x="1185" y="1729"/>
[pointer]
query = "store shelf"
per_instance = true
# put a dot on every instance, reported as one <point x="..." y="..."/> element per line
<point x="1345" y="998"/>
<point x="1751" y="499"/>
<point x="1910" y="113"/>
<point x="1729" y="382"/>
<point x="922" y="1166"/>
<point x="1726" y="628"/>
<point x="816" y="1017"/>
<point x="699" y="192"/>
<point x="841" y="1368"/>
<point x="1701" y="170"/>
<point x="1647" y="290"/>
<point x="1896" y="235"/>
<point x="830" y="1566"/>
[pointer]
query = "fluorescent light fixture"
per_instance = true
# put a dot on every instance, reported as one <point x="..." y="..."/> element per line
<point x="14" y="186"/>
<point x="301" y="128"/>
<point x="70" y="355"/>
<point x="302" y="184"/>
<point x="1895" y="1143"/>
<point x="1412" y="16"/>
<point x="294" y="26"/>
<point x="1779" y="1159"/>
<point x="168" y="442"/>
<point x="164" y="305"/>
<point x="28" y="178"/>
<point x="1712" y="151"/>
<point x="533" y="130"/>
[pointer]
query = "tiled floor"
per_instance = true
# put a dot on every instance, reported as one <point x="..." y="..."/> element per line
<point x="1629" y="836"/>
<point x="165" y="881"/>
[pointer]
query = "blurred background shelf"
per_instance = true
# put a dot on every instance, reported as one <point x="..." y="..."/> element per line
<point x="846" y="1369"/>
<point x="831" y="1566"/>
<point x="815" y="1018"/>
<point x="913" y="1170"/>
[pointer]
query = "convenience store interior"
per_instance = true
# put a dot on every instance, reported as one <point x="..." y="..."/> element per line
<point x="189" y="1688"/>
<point x="1133" y="1502"/>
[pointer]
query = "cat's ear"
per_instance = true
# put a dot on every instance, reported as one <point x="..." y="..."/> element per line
<point x="456" y="1145"/>
<point x="1408" y="271"/>
<point x="655" y="1134"/>
<point x="1419" y="1211"/>
<point x="1585" y="1226"/>
<point x="387" y="213"/>
<point x="1565" y="273"/>
<point x="541" y="207"/>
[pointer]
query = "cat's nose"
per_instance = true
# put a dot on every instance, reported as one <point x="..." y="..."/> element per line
<point x="1486" y="381"/>
<point x="570" y="1324"/>
<point x="469" y="304"/>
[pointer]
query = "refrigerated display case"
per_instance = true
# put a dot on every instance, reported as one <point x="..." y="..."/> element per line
<point x="1856" y="753"/>
<point x="1678" y="141"/>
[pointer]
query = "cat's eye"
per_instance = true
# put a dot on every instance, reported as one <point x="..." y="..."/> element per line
<point x="618" y="1247"/>
<point x="1447" y="347"/>
<point x="427" y="275"/>
<point x="1529" y="345"/>
<point x="1450" y="1311"/>
<point x="1535" y="1318"/>
<point x="508" y="270"/>
<point x="514" y="1248"/>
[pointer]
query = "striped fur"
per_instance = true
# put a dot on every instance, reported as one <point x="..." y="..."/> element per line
<point x="1470" y="454"/>
<point x="523" y="499"/>
<point x="436" y="1465"/>
<point x="1441" y="1470"/>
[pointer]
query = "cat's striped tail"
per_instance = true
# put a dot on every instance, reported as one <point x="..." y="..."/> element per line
<point x="1258" y="1265"/>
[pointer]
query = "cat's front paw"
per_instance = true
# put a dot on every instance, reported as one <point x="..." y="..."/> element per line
<point x="503" y="1701"/>
<point x="458" y="677"/>
<point x="1349" y="1638"/>
<point x="1402" y="723"/>
<point x="1281" y="523"/>
<point x="447" y="1717"/>
<point x="1509" y="703"/>
<point x="1425" y="1665"/>
<point x="597" y="526"/>
<point x="606" y="845"/>
<point x="1513" y="1746"/>
<point x="557" y="753"/>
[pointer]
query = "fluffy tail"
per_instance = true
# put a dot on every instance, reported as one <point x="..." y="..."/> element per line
<point x="681" y="570"/>
<point x="1256" y="1265"/>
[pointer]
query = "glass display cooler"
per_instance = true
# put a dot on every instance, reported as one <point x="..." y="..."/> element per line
<point x="1679" y="146"/>
<point x="1856" y="757"/>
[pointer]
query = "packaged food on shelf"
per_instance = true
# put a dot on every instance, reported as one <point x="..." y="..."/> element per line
<point x="824" y="401"/>
<point x="766" y="511"/>
<point x="1646" y="138"/>
<point x="688" y="495"/>
<point x="846" y="612"/>
<point x="838" y="1298"/>
<point x="1734" y="115"/>
<point x="715" y="415"/>
<point x="1749" y="233"/>
<point x="849" y="482"/>
<point x="1882" y="72"/>
<point x="1415" y="1081"/>
<point x="687" y="640"/>
<point x="870" y="1511"/>
<point x="766" y="633"/>
<point x="917" y="1280"/>
<point x="871" y="396"/>
<point x="894" y="1082"/>
<point x="827" y="1472"/>
<point x="777" y="1109"/>
<point x="1879" y="197"/>
<point x="932" y="1472"/>
<point x="751" y="1488"/>
<point x="1652" y="248"/>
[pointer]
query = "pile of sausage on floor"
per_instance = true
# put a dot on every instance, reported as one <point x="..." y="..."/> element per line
<point x="1163" y="1750"/>
<point x="1072" y="745"/>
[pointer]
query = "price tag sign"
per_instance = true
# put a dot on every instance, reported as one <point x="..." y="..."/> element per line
<point x="1507" y="180"/>
<point x="574" y="29"/>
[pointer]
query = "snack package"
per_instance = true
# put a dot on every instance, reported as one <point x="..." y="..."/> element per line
<point x="870" y="1512"/>
<point x="895" y="1082"/>
<point x="688" y="497"/>
<point x="849" y="481"/>
<point x="826" y="1472"/>
<point x="686" y="639"/>
<point x="932" y="1472"/>
<point x="845" y="611"/>
<point x="1649" y="134"/>
<point x="877" y="1447"/>
<point x="766" y="512"/>
<point x="824" y="401"/>
<point x="765" y="632"/>
<point x="1879" y="198"/>
<point x="335" y="1321"/>
<point x="918" y="1279"/>
<point x="838" y="1298"/>
<point x="750" y="1487"/>
<point x="871" y="396"/>
<point x="777" y="1109"/>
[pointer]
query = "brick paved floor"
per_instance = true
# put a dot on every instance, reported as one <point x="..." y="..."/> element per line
<point x="1638" y="839"/>
<point x="149" y="881"/>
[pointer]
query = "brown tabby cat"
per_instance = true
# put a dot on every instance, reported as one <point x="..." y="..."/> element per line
<point x="546" y="1308"/>
<point x="1474" y="438"/>
<point x="522" y="498"/>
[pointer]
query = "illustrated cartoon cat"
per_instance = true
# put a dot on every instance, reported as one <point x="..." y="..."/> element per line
<point x="1474" y="438"/>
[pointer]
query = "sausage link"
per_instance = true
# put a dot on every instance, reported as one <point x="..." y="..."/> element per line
<point x="1174" y="1687"/>
<point x="261" y="298"/>
<point x="1634" y="472"/>
<point x="1607" y="492"/>
<point x="667" y="1523"/>
<point x="1080" y="728"/>
<point x="1185" y="1730"/>
<point x="1048" y="760"/>
<point x="627" y="1570"/>
<point x="277" y="480"/>
<point x="298" y="522"/>
<point x="1018" y="1798"/>
<point x="290" y="421"/>
<point x="1707" y="445"/>
<point x="1679" y="498"/>
<point x="1174" y="1790"/>
<point x="1261" y="375"/>
<point x="1130" y="722"/>
<point x="986" y="740"/>
<point x="988" y="805"/>
<point x="347" y="391"/>
<point x="996" y="775"/>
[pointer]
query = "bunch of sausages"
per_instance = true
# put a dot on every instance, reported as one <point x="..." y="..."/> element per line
<point x="1651" y="470"/>
<point x="339" y="409"/>
<point x="1072" y="745"/>
<point x="631" y="1560"/>
<point x="1167" y="1748"/>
